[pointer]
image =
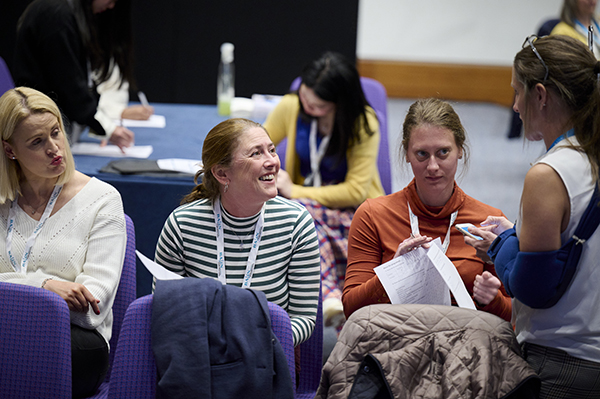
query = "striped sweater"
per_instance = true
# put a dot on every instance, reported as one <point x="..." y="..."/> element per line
<point x="287" y="266"/>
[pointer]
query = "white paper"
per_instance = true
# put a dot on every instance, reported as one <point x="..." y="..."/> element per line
<point x="109" y="150"/>
<point x="191" y="166"/>
<point x="423" y="276"/>
<point x="157" y="270"/>
<point x="158" y="121"/>
<point x="450" y="274"/>
<point x="412" y="278"/>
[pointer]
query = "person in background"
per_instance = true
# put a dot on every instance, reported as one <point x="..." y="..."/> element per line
<point x="61" y="230"/>
<point x="575" y="18"/>
<point x="331" y="160"/>
<point x="556" y="80"/>
<point x="265" y="242"/>
<point x="433" y="142"/>
<point x="69" y="48"/>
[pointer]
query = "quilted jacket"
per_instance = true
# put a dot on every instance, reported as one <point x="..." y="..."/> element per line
<point x="426" y="351"/>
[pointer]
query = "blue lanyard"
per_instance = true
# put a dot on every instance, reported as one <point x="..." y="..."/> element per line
<point x="560" y="138"/>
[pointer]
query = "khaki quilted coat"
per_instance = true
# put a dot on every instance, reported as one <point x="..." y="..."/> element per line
<point x="428" y="351"/>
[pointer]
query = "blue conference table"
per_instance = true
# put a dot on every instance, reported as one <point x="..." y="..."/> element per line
<point x="149" y="200"/>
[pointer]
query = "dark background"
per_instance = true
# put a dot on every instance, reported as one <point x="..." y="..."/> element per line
<point x="177" y="42"/>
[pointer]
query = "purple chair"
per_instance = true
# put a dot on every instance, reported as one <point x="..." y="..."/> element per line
<point x="6" y="81"/>
<point x="35" y="343"/>
<point x="134" y="368"/>
<point x="126" y="293"/>
<point x="282" y="328"/>
<point x="376" y="95"/>
<point x="311" y="358"/>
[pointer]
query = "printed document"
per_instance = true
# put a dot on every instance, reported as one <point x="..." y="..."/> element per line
<point x="423" y="276"/>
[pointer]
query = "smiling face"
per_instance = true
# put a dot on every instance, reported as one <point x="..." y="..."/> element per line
<point x="313" y="105"/>
<point x="38" y="145"/>
<point x="433" y="156"/>
<point x="252" y="176"/>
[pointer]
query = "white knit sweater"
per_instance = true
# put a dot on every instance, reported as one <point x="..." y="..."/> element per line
<point x="83" y="242"/>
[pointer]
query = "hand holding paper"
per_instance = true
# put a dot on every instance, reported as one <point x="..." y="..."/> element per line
<point x="423" y="276"/>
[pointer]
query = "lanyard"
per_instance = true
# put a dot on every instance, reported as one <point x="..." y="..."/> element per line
<point x="258" y="230"/>
<point x="31" y="240"/>
<point x="414" y="226"/>
<point x="316" y="155"/>
<point x="560" y="138"/>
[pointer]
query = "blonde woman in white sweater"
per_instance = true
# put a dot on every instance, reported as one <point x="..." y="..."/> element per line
<point x="60" y="229"/>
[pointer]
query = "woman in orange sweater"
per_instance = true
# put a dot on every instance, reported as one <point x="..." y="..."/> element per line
<point x="386" y="227"/>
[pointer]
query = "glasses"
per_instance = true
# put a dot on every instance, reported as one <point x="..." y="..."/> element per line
<point x="529" y="40"/>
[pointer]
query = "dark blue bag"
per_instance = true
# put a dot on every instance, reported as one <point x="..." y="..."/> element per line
<point x="570" y="252"/>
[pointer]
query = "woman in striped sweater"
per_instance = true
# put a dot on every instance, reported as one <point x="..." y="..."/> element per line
<point x="233" y="227"/>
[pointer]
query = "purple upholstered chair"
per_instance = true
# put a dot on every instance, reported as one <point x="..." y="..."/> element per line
<point x="311" y="358"/>
<point x="35" y="343"/>
<point x="134" y="368"/>
<point x="6" y="81"/>
<point x="282" y="328"/>
<point x="376" y="95"/>
<point x="126" y="293"/>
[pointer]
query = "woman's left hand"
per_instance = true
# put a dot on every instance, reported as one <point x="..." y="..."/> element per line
<point x="485" y="288"/>
<point x="284" y="183"/>
<point x="481" y="246"/>
<point x="411" y="243"/>
<point x="138" y="112"/>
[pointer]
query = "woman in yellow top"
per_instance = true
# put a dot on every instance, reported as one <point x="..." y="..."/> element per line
<point x="331" y="160"/>
<point x="575" y="18"/>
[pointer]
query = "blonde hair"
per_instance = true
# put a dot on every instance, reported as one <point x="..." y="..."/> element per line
<point x="433" y="111"/>
<point x="16" y="105"/>
<point x="218" y="149"/>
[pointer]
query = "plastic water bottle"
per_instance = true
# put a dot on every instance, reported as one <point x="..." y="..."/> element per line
<point x="225" y="81"/>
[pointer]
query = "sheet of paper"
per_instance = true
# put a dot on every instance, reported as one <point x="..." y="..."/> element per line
<point x="158" y="121"/>
<point x="180" y="165"/>
<point x="138" y="151"/>
<point x="450" y="275"/>
<point x="412" y="278"/>
<point x="157" y="270"/>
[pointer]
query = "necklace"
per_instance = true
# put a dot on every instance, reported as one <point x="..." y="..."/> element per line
<point x="242" y="238"/>
<point x="34" y="209"/>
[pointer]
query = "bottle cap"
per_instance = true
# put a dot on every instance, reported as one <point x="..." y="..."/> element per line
<point x="227" y="52"/>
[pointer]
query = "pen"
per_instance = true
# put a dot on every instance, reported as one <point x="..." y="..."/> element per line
<point x="143" y="99"/>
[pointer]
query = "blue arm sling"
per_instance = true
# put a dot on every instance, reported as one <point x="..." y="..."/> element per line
<point x="539" y="279"/>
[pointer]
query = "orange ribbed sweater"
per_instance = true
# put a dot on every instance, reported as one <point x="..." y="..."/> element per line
<point x="381" y="224"/>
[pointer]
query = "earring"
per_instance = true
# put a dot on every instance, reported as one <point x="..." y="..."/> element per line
<point x="226" y="188"/>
